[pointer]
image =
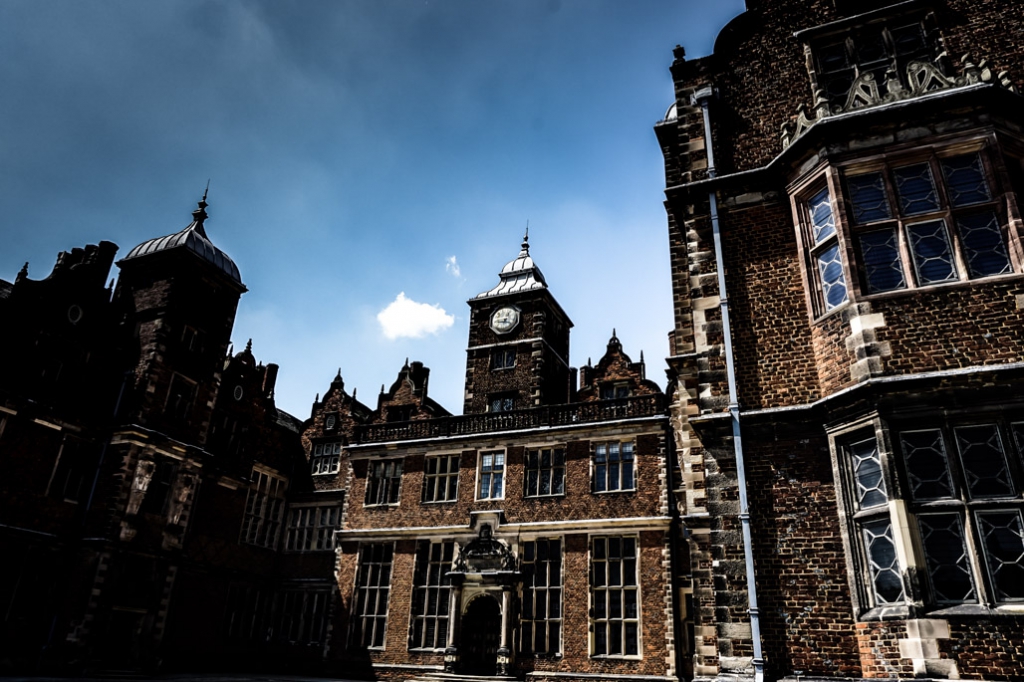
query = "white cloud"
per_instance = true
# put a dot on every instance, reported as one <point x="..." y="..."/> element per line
<point x="406" y="317"/>
<point x="452" y="266"/>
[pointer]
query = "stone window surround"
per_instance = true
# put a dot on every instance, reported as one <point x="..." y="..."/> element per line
<point x="490" y="479"/>
<point x="995" y="154"/>
<point x="902" y="511"/>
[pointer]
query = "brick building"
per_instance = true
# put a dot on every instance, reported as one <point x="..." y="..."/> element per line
<point x="143" y="470"/>
<point x="532" y="535"/>
<point x="842" y="183"/>
<point x="831" y="488"/>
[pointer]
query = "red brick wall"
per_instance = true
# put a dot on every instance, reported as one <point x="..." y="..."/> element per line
<point x="578" y="502"/>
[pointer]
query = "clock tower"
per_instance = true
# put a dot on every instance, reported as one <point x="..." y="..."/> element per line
<point x="518" y="355"/>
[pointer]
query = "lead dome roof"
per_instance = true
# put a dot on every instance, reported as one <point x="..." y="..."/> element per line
<point x="193" y="238"/>
<point x="519" y="274"/>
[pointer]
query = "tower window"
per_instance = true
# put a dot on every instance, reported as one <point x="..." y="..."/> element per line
<point x="502" y="402"/>
<point x="503" y="358"/>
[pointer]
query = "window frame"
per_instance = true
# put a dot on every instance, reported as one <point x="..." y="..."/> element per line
<point x="531" y="592"/>
<point x="361" y="591"/>
<point x="907" y="514"/>
<point x="821" y="178"/>
<point x="272" y="502"/>
<point x="325" y="463"/>
<point x="539" y="469"/>
<point x="950" y="215"/>
<point x="489" y="474"/>
<point x="963" y="501"/>
<point x="316" y="532"/>
<point x="595" y="467"/>
<point x="594" y="589"/>
<point x="852" y="36"/>
<point x="383" y="482"/>
<point x="503" y="358"/>
<point x="448" y="550"/>
<point x="451" y="493"/>
<point x="834" y="174"/>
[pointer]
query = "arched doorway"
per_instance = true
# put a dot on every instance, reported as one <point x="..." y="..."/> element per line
<point x="481" y="629"/>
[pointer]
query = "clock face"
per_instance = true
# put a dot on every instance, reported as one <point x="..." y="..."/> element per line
<point x="504" y="319"/>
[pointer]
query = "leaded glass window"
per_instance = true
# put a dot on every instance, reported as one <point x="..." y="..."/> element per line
<point x="877" y="49"/>
<point x="867" y="473"/>
<point x="614" y="596"/>
<point x="541" y="618"/>
<point x="927" y="464"/>
<point x="545" y="472"/>
<point x="929" y="222"/>
<point x="613" y="467"/>
<point x="441" y="478"/>
<point x="880" y="253"/>
<point x="883" y="565"/>
<point x="1003" y="541"/>
<point x="383" y="482"/>
<point x="945" y="550"/>
<point x="430" y="596"/>
<point x="826" y="253"/>
<point x="964" y="493"/>
<point x="373" y="586"/>
<point x="491" y="476"/>
<point x="984" y="461"/>
<point x="325" y="458"/>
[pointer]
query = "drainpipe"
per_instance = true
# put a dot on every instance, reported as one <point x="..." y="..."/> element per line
<point x="704" y="97"/>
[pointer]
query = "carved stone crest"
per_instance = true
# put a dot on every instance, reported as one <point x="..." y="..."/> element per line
<point x="484" y="554"/>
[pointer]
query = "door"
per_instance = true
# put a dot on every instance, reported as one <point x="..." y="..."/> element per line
<point x="481" y="630"/>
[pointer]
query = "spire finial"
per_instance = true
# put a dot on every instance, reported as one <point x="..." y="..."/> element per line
<point x="199" y="215"/>
<point x="22" y="274"/>
<point x="526" y="241"/>
<point x="354" y="391"/>
<point x="248" y="346"/>
<point x="338" y="376"/>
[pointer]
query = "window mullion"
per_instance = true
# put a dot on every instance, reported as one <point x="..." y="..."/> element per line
<point x="976" y="557"/>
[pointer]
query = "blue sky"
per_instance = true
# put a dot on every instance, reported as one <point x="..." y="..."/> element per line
<point x="359" y="153"/>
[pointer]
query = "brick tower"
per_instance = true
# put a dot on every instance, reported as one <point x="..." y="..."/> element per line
<point x="518" y="353"/>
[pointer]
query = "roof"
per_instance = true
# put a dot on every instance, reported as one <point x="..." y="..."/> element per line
<point x="193" y="238"/>
<point x="519" y="274"/>
<point x="288" y="421"/>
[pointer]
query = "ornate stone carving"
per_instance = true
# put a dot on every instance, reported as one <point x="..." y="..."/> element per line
<point x="921" y="78"/>
<point x="181" y="497"/>
<point x="485" y="553"/>
<point x="140" y="484"/>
